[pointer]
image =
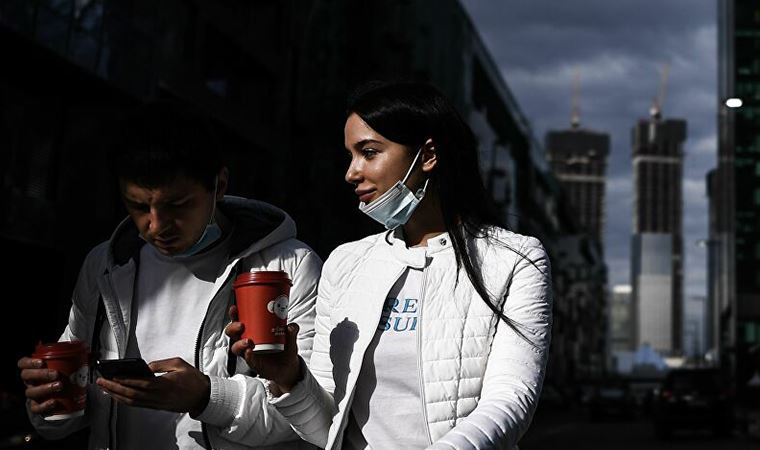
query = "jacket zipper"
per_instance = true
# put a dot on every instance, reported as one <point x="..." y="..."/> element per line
<point x="119" y="351"/>
<point x="112" y="409"/>
<point x="111" y="412"/>
<point x="204" y="430"/>
<point x="198" y="339"/>
<point x="419" y="357"/>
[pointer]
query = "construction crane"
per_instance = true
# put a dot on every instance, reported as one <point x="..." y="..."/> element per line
<point x="575" y="116"/>
<point x="656" y="110"/>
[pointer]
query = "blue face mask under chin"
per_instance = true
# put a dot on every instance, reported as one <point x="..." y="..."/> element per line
<point x="396" y="205"/>
<point x="211" y="233"/>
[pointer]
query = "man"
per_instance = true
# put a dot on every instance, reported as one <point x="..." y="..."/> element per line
<point x="159" y="289"/>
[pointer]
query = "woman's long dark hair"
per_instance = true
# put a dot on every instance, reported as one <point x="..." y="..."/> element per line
<point x="411" y="113"/>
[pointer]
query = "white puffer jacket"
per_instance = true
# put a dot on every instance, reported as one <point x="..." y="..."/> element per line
<point x="480" y="379"/>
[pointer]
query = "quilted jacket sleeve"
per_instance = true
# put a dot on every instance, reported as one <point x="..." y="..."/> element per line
<point x="310" y="406"/>
<point x="239" y="405"/>
<point x="516" y="364"/>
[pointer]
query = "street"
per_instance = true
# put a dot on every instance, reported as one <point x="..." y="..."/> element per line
<point x="572" y="429"/>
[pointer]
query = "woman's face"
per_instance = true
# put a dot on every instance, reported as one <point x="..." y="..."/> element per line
<point x="376" y="162"/>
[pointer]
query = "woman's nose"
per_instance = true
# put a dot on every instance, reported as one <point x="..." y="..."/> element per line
<point x="353" y="174"/>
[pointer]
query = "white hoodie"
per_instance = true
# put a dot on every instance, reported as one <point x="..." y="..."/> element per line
<point x="238" y="414"/>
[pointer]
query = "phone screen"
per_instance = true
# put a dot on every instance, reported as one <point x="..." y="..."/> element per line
<point x="124" y="368"/>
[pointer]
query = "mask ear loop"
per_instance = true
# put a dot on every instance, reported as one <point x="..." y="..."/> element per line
<point x="421" y="191"/>
<point x="213" y="208"/>
<point x="409" y="172"/>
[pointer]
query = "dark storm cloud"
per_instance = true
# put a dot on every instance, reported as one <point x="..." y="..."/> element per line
<point x="577" y="28"/>
<point x="619" y="49"/>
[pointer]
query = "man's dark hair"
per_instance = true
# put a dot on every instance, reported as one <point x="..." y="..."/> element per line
<point x="163" y="139"/>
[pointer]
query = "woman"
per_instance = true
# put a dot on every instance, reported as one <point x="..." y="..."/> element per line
<point x="435" y="333"/>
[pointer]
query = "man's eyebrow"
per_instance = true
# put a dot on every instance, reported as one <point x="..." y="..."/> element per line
<point x="167" y="200"/>
<point x="131" y="200"/>
<point x="179" y="199"/>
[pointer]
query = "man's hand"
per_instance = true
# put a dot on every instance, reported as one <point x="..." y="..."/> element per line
<point x="183" y="388"/>
<point x="41" y="385"/>
<point x="282" y="368"/>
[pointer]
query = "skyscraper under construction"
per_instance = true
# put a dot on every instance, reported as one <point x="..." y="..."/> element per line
<point x="657" y="243"/>
<point x="578" y="158"/>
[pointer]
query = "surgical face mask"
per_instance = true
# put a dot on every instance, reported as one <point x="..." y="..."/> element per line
<point x="396" y="205"/>
<point x="211" y="233"/>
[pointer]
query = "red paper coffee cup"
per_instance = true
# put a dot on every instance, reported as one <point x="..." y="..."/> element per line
<point x="70" y="360"/>
<point x="262" y="302"/>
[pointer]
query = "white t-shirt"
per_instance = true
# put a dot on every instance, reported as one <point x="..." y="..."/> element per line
<point x="172" y="296"/>
<point x="386" y="411"/>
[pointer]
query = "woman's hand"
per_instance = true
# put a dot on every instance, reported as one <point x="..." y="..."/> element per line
<point x="282" y="368"/>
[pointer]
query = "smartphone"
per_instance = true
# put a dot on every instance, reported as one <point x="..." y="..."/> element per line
<point x="124" y="368"/>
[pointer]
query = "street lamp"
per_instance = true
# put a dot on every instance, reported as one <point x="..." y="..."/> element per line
<point x="734" y="102"/>
<point x="702" y="243"/>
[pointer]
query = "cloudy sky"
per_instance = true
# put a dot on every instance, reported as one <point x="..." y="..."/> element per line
<point x="619" y="47"/>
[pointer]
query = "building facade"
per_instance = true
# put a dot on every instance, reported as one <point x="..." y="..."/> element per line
<point x="735" y="194"/>
<point x="621" y="355"/>
<point x="657" y="243"/>
<point x="578" y="159"/>
<point x="694" y="319"/>
<point x="621" y="319"/>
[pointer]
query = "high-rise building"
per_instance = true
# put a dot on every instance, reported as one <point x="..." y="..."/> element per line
<point x="694" y="328"/>
<point x="620" y="355"/>
<point x="735" y="193"/>
<point x="712" y="246"/>
<point x="621" y="315"/>
<point x="657" y="244"/>
<point x="578" y="158"/>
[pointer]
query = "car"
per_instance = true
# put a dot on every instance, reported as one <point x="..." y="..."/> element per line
<point x="611" y="399"/>
<point x="695" y="398"/>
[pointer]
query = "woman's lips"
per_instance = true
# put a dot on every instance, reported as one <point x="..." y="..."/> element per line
<point x="366" y="196"/>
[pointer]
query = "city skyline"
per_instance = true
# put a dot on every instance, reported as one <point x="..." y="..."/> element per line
<point x="619" y="50"/>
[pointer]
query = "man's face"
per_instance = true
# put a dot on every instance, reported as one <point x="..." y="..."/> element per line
<point x="170" y="217"/>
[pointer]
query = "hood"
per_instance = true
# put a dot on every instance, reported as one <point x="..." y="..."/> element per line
<point x="255" y="225"/>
